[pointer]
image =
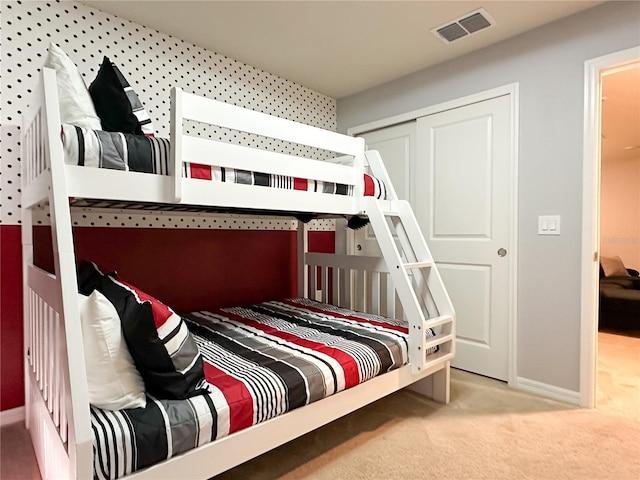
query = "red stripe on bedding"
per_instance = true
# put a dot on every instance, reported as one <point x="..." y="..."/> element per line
<point x="300" y="184"/>
<point x="346" y="361"/>
<point x="235" y="393"/>
<point x="160" y="311"/>
<point x="389" y="326"/>
<point x="200" y="171"/>
<point x="369" y="187"/>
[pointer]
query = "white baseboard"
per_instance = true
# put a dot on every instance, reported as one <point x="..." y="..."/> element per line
<point x="548" y="391"/>
<point x="13" y="415"/>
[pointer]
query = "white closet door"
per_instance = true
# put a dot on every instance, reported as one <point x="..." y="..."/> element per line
<point x="463" y="203"/>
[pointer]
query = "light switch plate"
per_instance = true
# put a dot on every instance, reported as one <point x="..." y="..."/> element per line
<point x="549" y="225"/>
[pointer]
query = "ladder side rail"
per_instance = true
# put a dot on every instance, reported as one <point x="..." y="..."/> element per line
<point x="395" y="262"/>
<point x="436" y="297"/>
<point x="417" y="252"/>
<point x="378" y="170"/>
<point x="437" y="293"/>
<point x="411" y="230"/>
<point x="408" y="298"/>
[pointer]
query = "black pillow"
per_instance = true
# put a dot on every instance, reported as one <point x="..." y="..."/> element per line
<point x="117" y="104"/>
<point x="159" y="341"/>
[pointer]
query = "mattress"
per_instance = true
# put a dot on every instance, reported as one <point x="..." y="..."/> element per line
<point x="139" y="153"/>
<point x="260" y="361"/>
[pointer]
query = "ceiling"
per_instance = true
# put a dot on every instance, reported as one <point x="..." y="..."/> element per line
<point x="621" y="114"/>
<point x="336" y="47"/>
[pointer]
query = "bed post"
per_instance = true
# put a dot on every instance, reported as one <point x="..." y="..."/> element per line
<point x="303" y="271"/>
<point x="436" y="386"/>
<point x="175" y="145"/>
<point x="27" y="259"/>
<point x="75" y="402"/>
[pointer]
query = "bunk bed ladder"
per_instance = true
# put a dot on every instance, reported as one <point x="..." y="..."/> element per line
<point x="417" y="281"/>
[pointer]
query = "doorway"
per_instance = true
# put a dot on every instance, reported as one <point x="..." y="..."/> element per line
<point x="595" y="71"/>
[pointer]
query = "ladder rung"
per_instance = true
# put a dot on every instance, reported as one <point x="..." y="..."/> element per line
<point x="418" y="265"/>
<point x="437" y="321"/>
<point x="437" y="340"/>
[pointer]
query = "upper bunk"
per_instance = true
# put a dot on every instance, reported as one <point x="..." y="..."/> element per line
<point x="351" y="172"/>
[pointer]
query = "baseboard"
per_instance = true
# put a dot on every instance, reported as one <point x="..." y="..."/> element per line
<point x="13" y="415"/>
<point x="548" y="391"/>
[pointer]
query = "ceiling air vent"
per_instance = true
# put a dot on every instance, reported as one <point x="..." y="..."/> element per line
<point x="466" y="25"/>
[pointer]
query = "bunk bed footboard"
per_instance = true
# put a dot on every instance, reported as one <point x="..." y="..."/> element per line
<point x="48" y="392"/>
<point x="364" y="284"/>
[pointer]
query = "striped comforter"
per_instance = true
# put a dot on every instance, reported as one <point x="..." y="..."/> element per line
<point x="139" y="153"/>
<point x="260" y="361"/>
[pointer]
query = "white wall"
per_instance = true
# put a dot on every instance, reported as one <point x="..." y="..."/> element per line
<point x="548" y="63"/>
<point x="620" y="211"/>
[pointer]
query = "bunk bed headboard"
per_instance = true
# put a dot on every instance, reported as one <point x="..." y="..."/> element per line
<point x="53" y="334"/>
<point x="184" y="148"/>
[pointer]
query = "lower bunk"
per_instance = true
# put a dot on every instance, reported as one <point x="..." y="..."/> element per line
<point x="272" y="372"/>
<point x="260" y="361"/>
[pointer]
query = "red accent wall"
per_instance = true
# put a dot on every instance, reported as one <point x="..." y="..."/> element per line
<point x="11" y="338"/>
<point x="322" y="242"/>
<point x="187" y="269"/>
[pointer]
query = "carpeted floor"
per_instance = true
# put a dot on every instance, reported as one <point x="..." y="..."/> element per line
<point x="487" y="431"/>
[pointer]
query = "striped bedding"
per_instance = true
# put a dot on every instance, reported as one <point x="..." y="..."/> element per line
<point x="260" y="361"/>
<point x="138" y="153"/>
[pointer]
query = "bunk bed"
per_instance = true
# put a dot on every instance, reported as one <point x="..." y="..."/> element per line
<point x="399" y="294"/>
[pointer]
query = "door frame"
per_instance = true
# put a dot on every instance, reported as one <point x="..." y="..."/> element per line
<point x="593" y="70"/>
<point x="511" y="90"/>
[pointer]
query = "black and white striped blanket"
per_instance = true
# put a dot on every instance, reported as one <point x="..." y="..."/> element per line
<point x="138" y="153"/>
<point x="260" y="361"/>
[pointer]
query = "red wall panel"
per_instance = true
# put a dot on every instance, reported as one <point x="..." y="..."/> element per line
<point x="11" y="335"/>
<point x="189" y="269"/>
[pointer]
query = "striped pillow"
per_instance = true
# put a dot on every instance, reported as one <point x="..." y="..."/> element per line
<point x="117" y="104"/>
<point x="159" y="341"/>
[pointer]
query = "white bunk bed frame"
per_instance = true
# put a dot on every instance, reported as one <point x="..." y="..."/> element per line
<point x="57" y="403"/>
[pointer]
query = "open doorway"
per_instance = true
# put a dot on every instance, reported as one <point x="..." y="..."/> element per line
<point x="599" y="73"/>
<point x="618" y="359"/>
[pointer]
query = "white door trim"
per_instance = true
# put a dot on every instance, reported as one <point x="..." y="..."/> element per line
<point x="510" y="89"/>
<point x="513" y="91"/>
<point x="590" y="217"/>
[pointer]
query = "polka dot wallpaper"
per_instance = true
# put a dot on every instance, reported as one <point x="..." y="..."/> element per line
<point x="152" y="62"/>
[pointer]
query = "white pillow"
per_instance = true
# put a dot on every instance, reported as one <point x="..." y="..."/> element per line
<point x="76" y="106"/>
<point x="114" y="382"/>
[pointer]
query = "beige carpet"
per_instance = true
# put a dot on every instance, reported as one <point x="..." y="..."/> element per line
<point x="488" y="431"/>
